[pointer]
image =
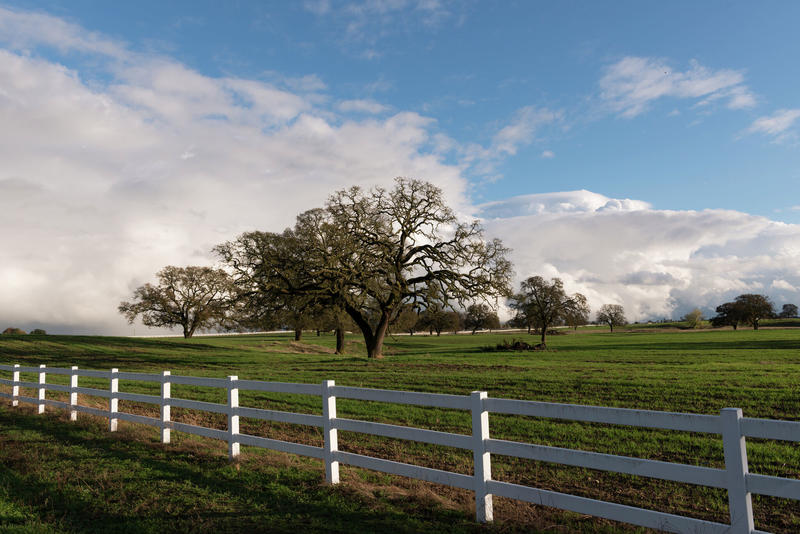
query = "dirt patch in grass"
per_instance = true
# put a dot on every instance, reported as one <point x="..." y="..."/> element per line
<point x="295" y="347"/>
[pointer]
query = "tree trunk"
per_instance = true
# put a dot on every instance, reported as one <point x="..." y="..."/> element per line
<point x="318" y="332"/>
<point x="375" y="342"/>
<point x="529" y="329"/>
<point x="735" y="326"/>
<point x="298" y="333"/>
<point x="611" y="325"/>
<point x="340" y="341"/>
<point x="544" y="335"/>
<point x="755" y="324"/>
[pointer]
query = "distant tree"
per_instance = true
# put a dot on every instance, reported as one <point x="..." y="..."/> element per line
<point x="789" y="311"/>
<point x="296" y="314"/>
<point x="492" y="322"/>
<point x="541" y="304"/>
<point x="612" y="315"/>
<point x="693" y="318"/>
<point x="436" y="318"/>
<point x="478" y="316"/>
<point x="406" y="321"/>
<point x="753" y="308"/>
<point x="728" y="314"/>
<point x="13" y="331"/>
<point x="38" y="332"/>
<point x="190" y="297"/>
<point x="577" y="314"/>
<point x="333" y="318"/>
<point x="456" y="321"/>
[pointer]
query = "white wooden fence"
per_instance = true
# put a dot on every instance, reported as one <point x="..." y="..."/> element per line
<point x="730" y="424"/>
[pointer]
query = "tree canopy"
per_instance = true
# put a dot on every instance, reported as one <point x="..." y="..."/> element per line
<point x="753" y="308"/>
<point x="612" y="315"/>
<point x="190" y="297"/>
<point x="788" y="311"/>
<point x="370" y="253"/>
<point x="728" y="314"/>
<point x="479" y="315"/>
<point x="541" y="304"/>
<point x="748" y="308"/>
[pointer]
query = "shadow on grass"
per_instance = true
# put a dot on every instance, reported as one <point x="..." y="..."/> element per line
<point x="100" y="352"/>
<point x="123" y="485"/>
<point x="683" y="345"/>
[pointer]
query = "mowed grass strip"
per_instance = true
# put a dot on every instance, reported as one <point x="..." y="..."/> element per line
<point x="688" y="371"/>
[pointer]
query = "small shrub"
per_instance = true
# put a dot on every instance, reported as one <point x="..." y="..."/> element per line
<point x="514" y="345"/>
<point x="38" y="332"/>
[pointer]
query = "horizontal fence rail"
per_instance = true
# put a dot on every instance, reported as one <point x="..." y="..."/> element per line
<point x="729" y="424"/>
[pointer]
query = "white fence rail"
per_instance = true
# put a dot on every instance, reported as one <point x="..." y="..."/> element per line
<point x="730" y="424"/>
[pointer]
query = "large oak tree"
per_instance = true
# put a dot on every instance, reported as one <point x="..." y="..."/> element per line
<point x="190" y="297"/>
<point x="372" y="252"/>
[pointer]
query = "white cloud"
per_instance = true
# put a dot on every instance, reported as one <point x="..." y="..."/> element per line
<point x="548" y="154"/>
<point x="783" y="284"/>
<point x="776" y="125"/>
<point x="522" y="129"/>
<point x="361" y="25"/>
<point x="317" y="7"/>
<point x="361" y="106"/>
<point x="103" y="186"/>
<point x="557" y="203"/>
<point x="629" y="86"/>
<point x="22" y="29"/>
<point x="657" y="263"/>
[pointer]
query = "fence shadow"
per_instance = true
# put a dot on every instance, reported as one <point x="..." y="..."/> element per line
<point x="160" y="482"/>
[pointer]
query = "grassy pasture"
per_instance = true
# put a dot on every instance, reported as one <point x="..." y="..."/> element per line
<point x="77" y="477"/>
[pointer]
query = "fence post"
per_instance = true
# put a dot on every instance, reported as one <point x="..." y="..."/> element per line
<point x="331" y="442"/>
<point x="73" y="393"/>
<point x="165" y="411"/>
<point x="233" y="418"/>
<point x="41" y="390"/>
<point x="113" y="401"/>
<point x="15" y="387"/>
<point x="482" y="458"/>
<point x="740" y="504"/>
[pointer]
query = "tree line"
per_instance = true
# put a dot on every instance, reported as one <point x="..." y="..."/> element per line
<point x="749" y="309"/>
<point x="371" y="261"/>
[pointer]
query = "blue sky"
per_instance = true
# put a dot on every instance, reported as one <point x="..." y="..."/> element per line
<point x="472" y="66"/>
<point x="647" y="153"/>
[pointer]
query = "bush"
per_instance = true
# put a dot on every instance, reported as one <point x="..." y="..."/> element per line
<point x="514" y="345"/>
<point x="14" y="331"/>
<point x="38" y="332"/>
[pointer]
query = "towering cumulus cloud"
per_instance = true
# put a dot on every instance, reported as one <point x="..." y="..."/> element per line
<point x="657" y="263"/>
<point x="102" y="185"/>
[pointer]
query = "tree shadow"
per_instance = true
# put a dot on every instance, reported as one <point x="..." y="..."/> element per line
<point x="689" y="345"/>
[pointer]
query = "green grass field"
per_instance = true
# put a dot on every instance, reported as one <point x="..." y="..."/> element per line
<point x="62" y="477"/>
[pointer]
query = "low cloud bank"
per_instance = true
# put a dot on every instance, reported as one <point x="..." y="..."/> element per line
<point x="656" y="263"/>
